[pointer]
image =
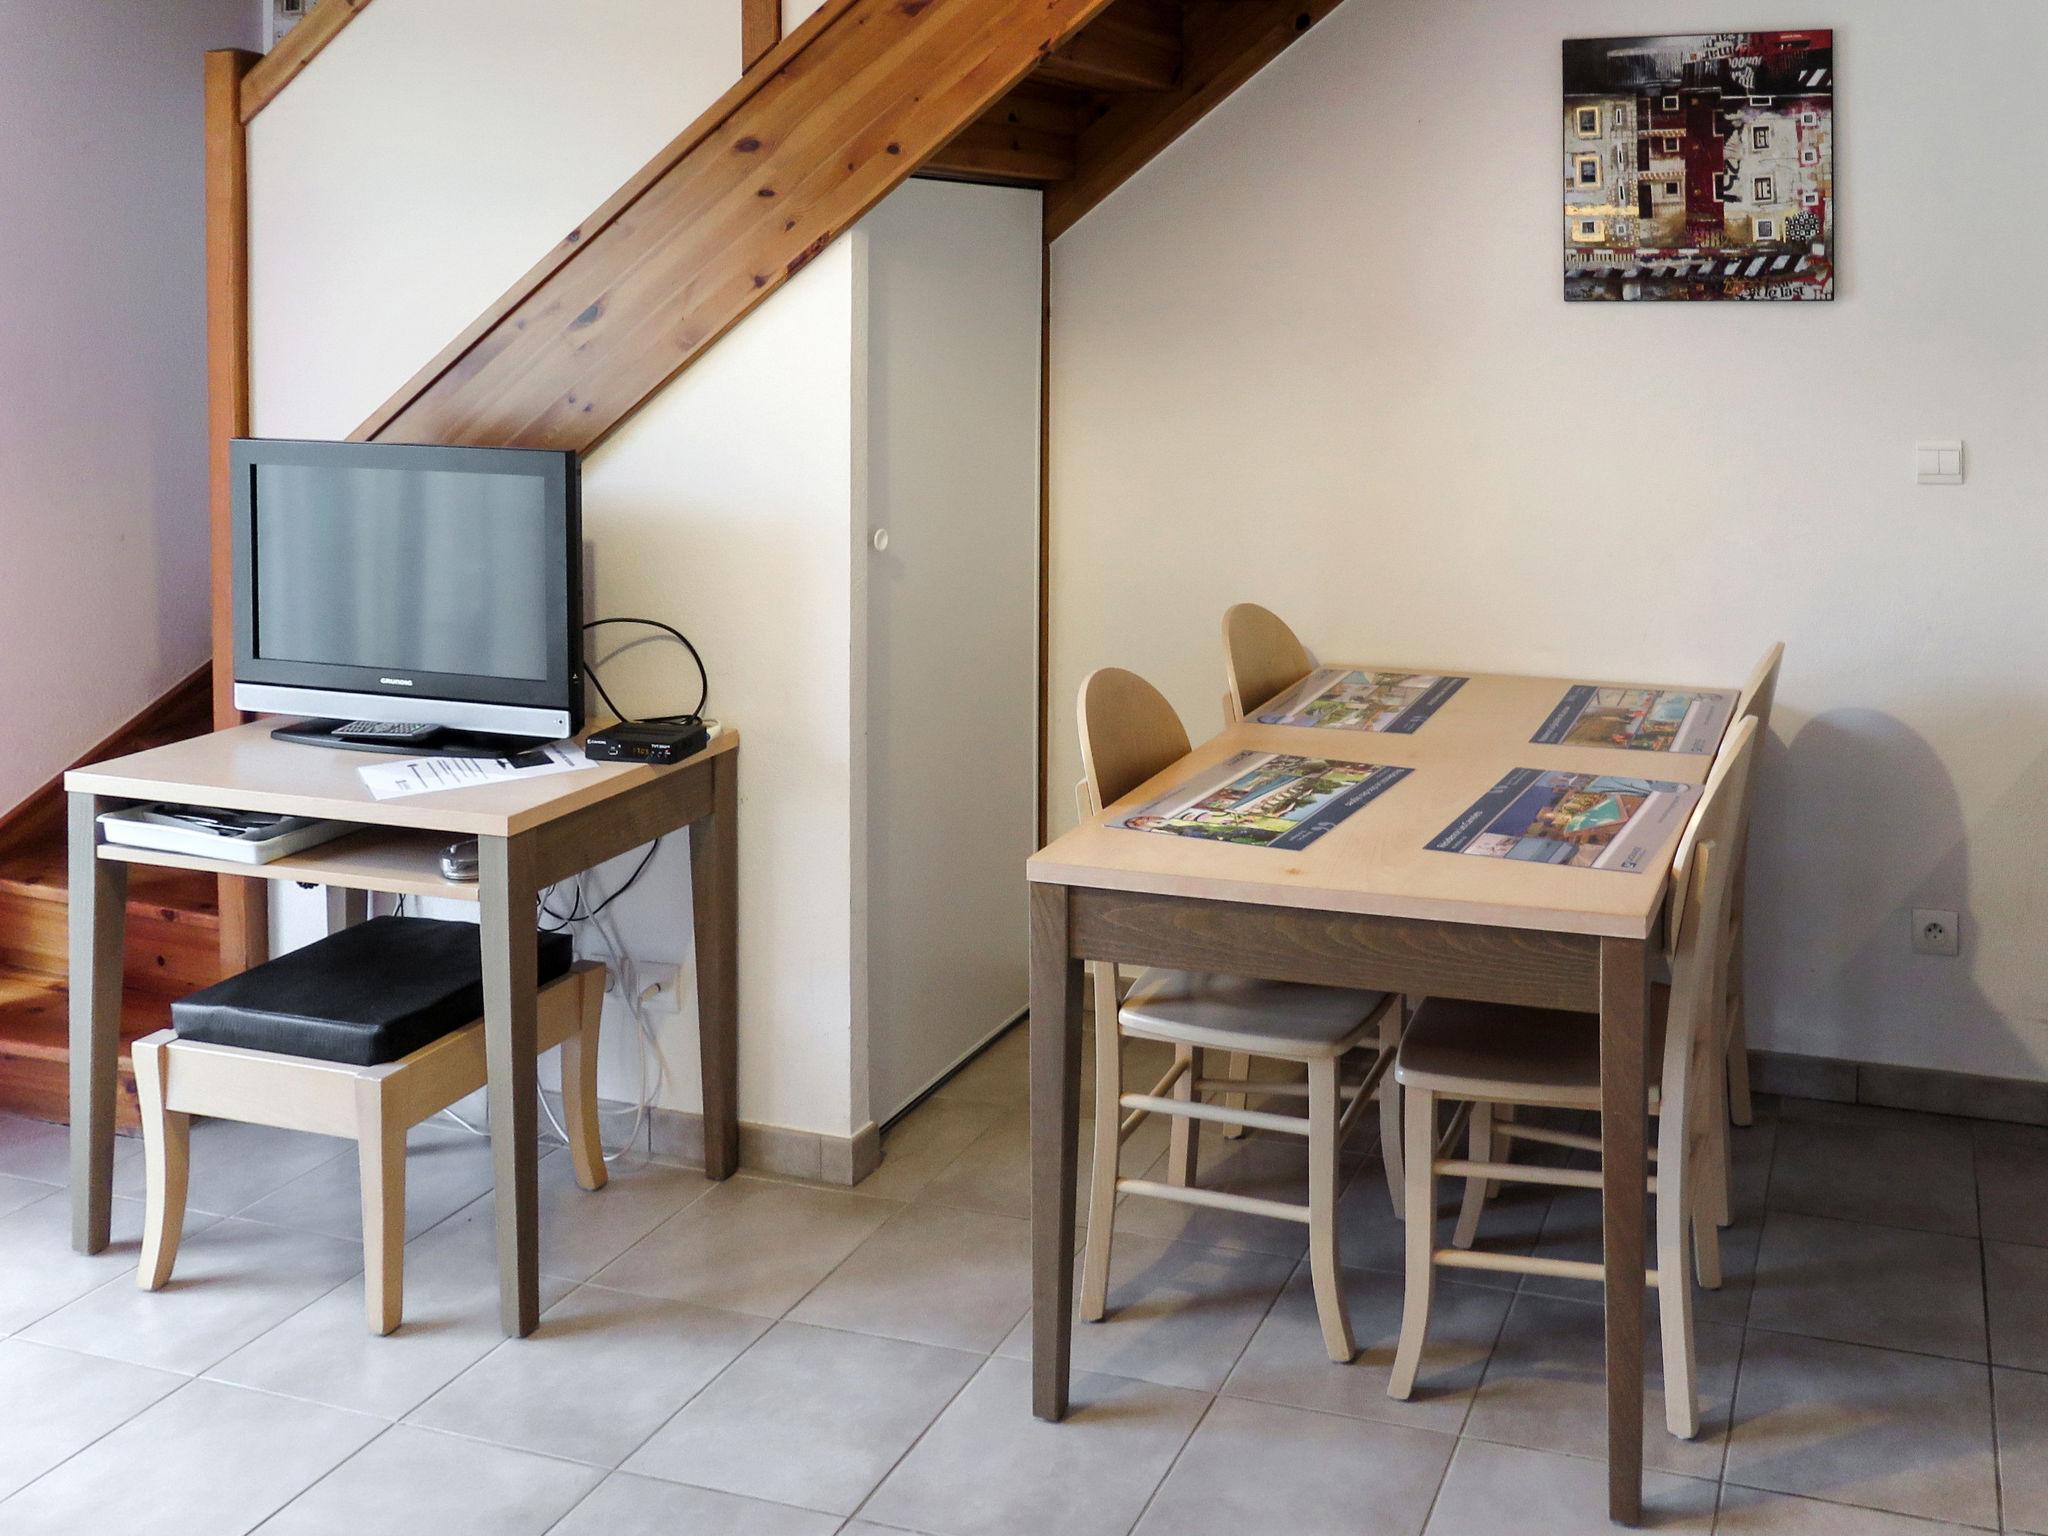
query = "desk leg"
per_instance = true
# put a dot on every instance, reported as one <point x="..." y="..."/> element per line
<point x="1055" y="1125"/>
<point x="1624" y="1114"/>
<point x="714" y="902"/>
<point x="506" y="894"/>
<point x="99" y="918"/>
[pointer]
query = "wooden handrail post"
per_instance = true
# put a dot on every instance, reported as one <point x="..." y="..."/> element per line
<point x="760" y="30"/>
<point x="244" y="904"/>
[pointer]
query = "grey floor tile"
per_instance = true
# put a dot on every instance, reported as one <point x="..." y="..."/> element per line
<point x="1254" y="1466"/>
<point x="2016" y="1280"/>
<point x="988" y="1468"/>
<point x="1888" y="1286"/>
<point x="234" y="1281"/>
<point x="933" y="1275"/>
<point x="2022" y="1405"/>
<point x="1545" y="1388"/>
<point x="415" y="1480"/>
<point x="208" y="1460"/>
<point x="38" y="1150"/>
<point x="38" y="1270"/>
<point x="808" y="1416"/>
<point x="625" y="1505"/>
<point x="994" y="1173"/>
<point x="235" y="1165"/>
<point x="918" y="1148"/>
<point x="1753" y="1512"/>
<point x="999" y="1075"/>
<point x="327" y="1354"/>
<point x="604" y="1370"/>
<point x="2012" y="1182"/>
<point x="1495" y="1488"/>
<point x="445" y="1169"/>
<point x="1178" y="1315"/>
<point x="1855" y="1425"/>
<point x="60" y="1402"/>
<point x="583" y="1230"/>
<point x="1889" y="1167"/>
<point x="1263" y="1167"/>
<point x="750" y="1245"/>
<point x="1371" y="1236"/>
<point x="16" y="1193"/>
<point x="1571" y="1230"/>
<point x="1285" y="1362"/>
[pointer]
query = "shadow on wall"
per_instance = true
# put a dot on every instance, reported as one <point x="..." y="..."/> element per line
<point x="1858" y="821"/>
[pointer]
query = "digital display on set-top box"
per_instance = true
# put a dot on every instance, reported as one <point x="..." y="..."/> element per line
<point x="416" y="570"/>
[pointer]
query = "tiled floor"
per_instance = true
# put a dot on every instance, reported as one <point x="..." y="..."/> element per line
<point x="768" y="1358"/>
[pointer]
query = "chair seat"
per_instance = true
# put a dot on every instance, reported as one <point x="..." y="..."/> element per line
<point x="1493" y="1051"/>
<point x="1260" y="1018"/>
<point x="370" y="994"/>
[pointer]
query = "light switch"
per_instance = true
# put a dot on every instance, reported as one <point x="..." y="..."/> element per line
<point x="1939" y="463"/>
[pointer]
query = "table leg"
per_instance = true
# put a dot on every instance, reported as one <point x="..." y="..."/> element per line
<point x="99" y="918"/>
<point x="506" y="893"/>
<point x="1055" y="1123"/>
<point x="1624" y="1114"/>
<point x="714" y="902"/>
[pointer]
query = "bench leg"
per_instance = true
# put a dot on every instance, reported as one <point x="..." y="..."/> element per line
<point x="579" y="1087"/>
<point x="380" y="1150"/>
<point x="166" y="1159"/>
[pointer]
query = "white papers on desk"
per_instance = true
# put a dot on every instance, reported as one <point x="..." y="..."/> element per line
<point x="423" y="775"/>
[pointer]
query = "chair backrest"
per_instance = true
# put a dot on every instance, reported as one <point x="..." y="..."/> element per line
<point x="1128" y="733"/>
<point x="1720" y="817"/>
<point x="1261" y="657"/>
<point x="1761" y="691"/>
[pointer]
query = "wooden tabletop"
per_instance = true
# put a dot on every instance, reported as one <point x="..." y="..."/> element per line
<point x="243" y="769"/>
<point x="1378" y="859"/>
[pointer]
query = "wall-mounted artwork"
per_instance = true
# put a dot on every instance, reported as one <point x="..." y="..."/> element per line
<point x="1700" y="167"/>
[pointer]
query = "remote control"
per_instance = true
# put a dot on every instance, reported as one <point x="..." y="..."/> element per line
<point x="384" y="730"/>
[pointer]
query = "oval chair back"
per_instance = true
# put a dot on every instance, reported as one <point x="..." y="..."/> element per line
<point x="1128" y="733"/>
<point x="1261" y="658"/>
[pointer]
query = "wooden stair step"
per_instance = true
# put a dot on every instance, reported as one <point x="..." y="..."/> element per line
<point x="35" y="1046"/>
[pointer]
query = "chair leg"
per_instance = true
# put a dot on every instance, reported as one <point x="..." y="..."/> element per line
<point x="1390" y="1108"/>
<point x="579" y="1087"/>
<point x="1109" y="1088"/>
<point x="1240" y="1068"/>
<point x="1184" y="1138"/>
<point x="166" y="1160"/>
<point x="1706" y="1175"/>
<point x="1674" y="1275"/>
<point x="1474" y="1205"/>
<point x="1324" y="1106"/>
<point x="1418" y="1114"/>
<point x="380" y="1151"/>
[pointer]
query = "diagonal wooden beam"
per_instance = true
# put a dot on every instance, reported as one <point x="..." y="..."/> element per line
<point x="278" y="68"/>
<point x="838" y="114"/>
<point x="1226" y="43"/>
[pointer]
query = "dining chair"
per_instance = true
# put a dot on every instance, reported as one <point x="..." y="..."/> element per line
<point x="1261" y="658"/>
<point x="1129" y="733"/>
<point x="1482" y="1055"/>
<point x="1758" y="694"/>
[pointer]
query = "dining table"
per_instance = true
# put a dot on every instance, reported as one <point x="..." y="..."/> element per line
<point x="1370" y="904"/>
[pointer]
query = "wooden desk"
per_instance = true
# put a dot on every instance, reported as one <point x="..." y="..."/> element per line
<point x="1366" y="905"/>
<point x="529" y="835"/>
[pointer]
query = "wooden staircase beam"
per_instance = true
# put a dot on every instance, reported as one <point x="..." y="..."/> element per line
<point x="834" y="118"/>
<point x="1135" y="45"/>
<point x="1227" y="42"/>
<point x="1025" y="140"/>
<point x="278" y="68"/>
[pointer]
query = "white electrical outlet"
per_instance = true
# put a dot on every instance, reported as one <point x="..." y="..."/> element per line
<point x="660" y="987"/>
<point x="1936" y="932"/>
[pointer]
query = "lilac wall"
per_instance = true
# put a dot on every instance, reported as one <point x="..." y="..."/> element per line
<point x="103" y="541"/>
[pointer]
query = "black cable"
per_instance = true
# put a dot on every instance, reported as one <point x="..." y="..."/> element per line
<point x="692" y="717"/>
<point x="578" y="911"/>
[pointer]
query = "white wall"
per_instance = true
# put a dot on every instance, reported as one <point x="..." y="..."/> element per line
<point x="425" y="160"/>
<point x="1315" y="355"/>
<point x="104" y="595"/>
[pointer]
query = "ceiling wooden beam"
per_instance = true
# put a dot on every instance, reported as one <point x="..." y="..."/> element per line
<point x="279" y="67"/>
<point x="1024" y="140"/>
<point x="1227" y="42"/>
<point x="1135" y="45"/>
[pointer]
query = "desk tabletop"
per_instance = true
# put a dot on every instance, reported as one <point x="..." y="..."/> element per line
<point x="244" y="769"/>
<point x="1378" y="860"/>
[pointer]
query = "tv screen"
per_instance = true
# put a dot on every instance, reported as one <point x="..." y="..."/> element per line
<point x="408" y="582"/>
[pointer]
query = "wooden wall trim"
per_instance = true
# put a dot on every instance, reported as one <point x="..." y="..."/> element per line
<point x="760" y="30"/>
<point x="271" y="72"/>
<point x="834" y="118"/>
<point x="244" y="904"/>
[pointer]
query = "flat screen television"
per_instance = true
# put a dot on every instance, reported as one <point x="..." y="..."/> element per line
<point x="395" y="582"/>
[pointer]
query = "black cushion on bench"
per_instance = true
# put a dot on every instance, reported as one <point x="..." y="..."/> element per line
<point x="366" y="995"/>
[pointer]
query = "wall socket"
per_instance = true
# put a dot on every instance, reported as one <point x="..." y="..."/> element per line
<point x="660" y="986"/>
<point x="1936" y="932"/>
